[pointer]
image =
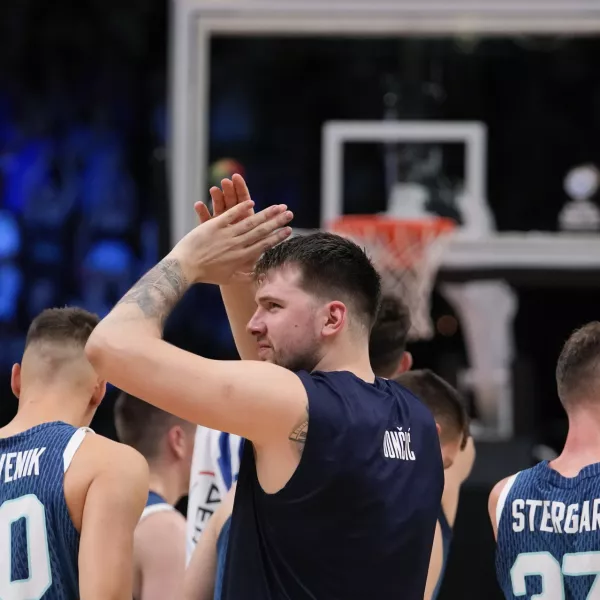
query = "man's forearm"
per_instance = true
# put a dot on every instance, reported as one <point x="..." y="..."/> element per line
<point x="153" y="297"/>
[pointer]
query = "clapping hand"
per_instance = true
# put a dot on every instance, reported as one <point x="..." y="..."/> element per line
<point x="224" y="248"/>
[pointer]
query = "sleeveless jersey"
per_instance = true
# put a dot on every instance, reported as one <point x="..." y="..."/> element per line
<point x="222" y="545"/>
<point x="549" y="535"/>
<point x="39" y="544"/>
<point x="215" y="466"/>
<point x="154" y="504"/>
<point x="357" y="518"/>
<point x="446" y="530"/>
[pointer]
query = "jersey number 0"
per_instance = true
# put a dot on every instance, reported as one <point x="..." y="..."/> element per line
<point x="40" y="575"/>
<point x="544" y="565"/>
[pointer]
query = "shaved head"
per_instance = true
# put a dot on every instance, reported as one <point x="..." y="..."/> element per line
<point x="51" y="360"/>
<point x="54" y="347"/>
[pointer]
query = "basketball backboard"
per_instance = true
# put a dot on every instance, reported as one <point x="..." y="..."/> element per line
<point x="489" y="256"/>
<point x="196" y="22"/>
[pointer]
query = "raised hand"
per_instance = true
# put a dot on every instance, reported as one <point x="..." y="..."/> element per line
<point x="221" y="248"/>
<point x="234" y="192"/>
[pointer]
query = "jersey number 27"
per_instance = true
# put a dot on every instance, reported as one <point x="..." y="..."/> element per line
<point x="40" y="574"/>
<point x="544" y="565"/>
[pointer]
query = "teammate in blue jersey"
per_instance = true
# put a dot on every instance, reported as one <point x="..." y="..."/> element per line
<point x="331" y="451"/>
<point x="69" y="499"/>
<point x="167" y="443"/>
<point x="547" y="518"/>
<point x="206" y="570"/>
<point x="458" y="452"/>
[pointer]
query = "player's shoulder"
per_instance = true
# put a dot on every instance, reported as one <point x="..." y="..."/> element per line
<point x="499" y="494"/>
<point x="161" y="533"/>
<point x="520" y="478"/>
<point x="165" y="519"/>
<point x="101" y="453"/>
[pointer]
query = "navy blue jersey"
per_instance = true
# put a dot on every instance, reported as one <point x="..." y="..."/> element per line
<point x="39" y="544"/>
<point x="357" y="518"/>
<point x="446" y="530"/>
<point x="549" y="535"/>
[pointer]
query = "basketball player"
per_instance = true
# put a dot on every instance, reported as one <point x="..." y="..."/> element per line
<point x="167" y="443"/>
<point x="547" y="519"/>
<point x="69" y="499"/>
<point x="458" y="452"/>
<point x="206" y="570"/>
<point x="387" y="344"/>
<point x="322" y="431"/>
<point x="204" y="577"/>
<point x="217" y="454"/>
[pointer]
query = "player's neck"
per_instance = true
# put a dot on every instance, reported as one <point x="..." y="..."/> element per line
<point x="167" y="483"/>
<point x="37" y="407"/>
<point x="582" y="446"/>
<point x="349" y="359"/>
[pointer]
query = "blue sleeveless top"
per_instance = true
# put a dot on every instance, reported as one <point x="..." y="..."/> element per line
<point x="446" y="542"/>
<point x="39" y="544"/>
<point x="357" y="518"/>
<point x="549" y="534"/>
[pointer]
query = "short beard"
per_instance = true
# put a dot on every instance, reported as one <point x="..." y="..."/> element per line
<point x="300" y="362"/>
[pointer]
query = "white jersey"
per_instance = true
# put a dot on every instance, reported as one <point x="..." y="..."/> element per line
<point x="215" y="467"/>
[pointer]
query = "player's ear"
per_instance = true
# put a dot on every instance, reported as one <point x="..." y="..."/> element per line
<point x="406" y="363"/>
<point x="176" y="440"/>
<point x="335" y="315"/>
<point x="98" y="393"/>
<point x="15" y="379"/>
<point x="439" y="429"/>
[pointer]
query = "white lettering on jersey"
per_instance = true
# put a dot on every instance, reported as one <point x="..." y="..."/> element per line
<point x="396" y="444"/>
<point x="518" y="506"/>
<point x="546" y="518"/>
<point x="15" y="465"/>
<point x="555" y="517"/>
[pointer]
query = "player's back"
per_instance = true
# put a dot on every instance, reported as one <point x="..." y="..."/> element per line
<point x="549" y="534"/>
<point x="38" y="542"/>
<point x="357" y="518"/>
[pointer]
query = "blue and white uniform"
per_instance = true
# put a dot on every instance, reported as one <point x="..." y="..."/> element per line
<point x="215" y="467"/>
<point x="549" y="535"/>
<point x="39" y="545"/>
<point x="154" y="504"/>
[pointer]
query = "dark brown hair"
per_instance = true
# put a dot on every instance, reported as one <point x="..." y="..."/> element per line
<point x="142" y="425"/>
<point x="331" y="267"/>
<point x="69" y="324"/>
<point x="388" y="337"/>
<point x="445" y="403"/>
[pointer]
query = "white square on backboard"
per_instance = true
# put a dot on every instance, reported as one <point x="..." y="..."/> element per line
<point x="338" y="133"/>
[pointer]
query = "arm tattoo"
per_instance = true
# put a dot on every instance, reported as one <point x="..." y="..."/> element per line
<point x="298" y="435"/>
<point x="158" y="291"/>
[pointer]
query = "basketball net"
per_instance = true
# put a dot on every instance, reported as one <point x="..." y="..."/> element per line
<point x="407" y="254"/>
